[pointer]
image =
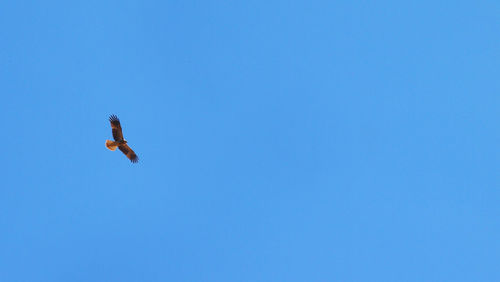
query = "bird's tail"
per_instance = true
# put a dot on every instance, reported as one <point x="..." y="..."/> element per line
<point x="111" y="145"/>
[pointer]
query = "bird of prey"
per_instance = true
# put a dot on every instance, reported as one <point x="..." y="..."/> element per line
<point x="119" y="141"/>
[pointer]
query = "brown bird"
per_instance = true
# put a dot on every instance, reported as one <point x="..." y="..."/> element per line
<point x="119" y="141"/>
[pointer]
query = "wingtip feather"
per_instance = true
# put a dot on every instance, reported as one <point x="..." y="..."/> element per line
<point x="114" y="118"/>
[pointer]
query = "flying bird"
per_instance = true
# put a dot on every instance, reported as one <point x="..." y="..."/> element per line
<point x="119" y="141"/>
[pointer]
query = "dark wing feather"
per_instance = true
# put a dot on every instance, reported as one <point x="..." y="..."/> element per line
<point x="116" y="128"/>
<point x="129" y="153"/>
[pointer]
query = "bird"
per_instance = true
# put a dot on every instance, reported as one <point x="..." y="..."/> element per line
<point x="119" y="141"/>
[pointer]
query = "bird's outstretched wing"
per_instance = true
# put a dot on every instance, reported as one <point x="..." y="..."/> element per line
<point x="116" y="128"/>
<point x="129" y="153"/>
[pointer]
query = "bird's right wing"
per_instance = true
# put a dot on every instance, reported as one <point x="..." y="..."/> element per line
<point x="116" y="128"/>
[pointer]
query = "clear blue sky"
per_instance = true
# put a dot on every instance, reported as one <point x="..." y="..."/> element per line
<point x="278" y="141"/>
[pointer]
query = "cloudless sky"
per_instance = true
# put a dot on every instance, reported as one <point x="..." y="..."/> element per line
<point x="278" y="141"/>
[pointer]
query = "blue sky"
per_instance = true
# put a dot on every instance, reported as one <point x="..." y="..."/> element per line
<point x="278" y="141"/>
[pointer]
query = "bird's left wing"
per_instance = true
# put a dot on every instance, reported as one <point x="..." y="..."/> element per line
<point x="129" y="153"/>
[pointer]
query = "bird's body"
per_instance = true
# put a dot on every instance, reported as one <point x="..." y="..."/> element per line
<point x="112" y="145"/>
<point x="119" y="142"/>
